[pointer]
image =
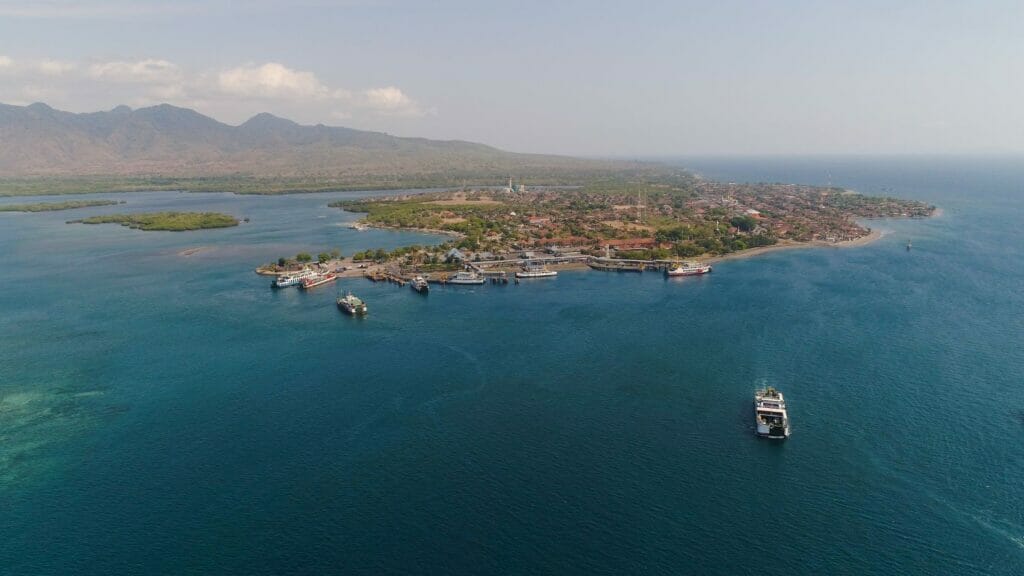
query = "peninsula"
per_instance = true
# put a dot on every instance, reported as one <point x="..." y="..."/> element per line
<point x="167" y="221"/>
<point x="678" y="217"/>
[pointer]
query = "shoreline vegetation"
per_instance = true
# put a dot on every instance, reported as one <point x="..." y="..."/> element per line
<point x="872" y="236"/>
<point x="55" y="206"/>
<point x="164" y="221"/>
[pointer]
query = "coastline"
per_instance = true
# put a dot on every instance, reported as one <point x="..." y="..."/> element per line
<point x="421" y="230"/>
<point x="862" y="241"/>
<point x="750" y="253"/>
<point x="869" y="238"/>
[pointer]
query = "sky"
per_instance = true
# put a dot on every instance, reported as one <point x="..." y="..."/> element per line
<point x="570" y="77"/>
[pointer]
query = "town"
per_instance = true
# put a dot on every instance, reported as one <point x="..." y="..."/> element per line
<point x="690" y="218"/>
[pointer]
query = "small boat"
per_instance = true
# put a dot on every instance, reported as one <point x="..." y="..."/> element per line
<point x="466" y="278"/>
<point x="296" y="279"/>
<point x="536" y="272"/>
<point x="352" y="305"/>
<point x="688" y="269"/>
<point x="420" y="285"/>
<point x="318" y="280"/>
<point x="770" y="414"/>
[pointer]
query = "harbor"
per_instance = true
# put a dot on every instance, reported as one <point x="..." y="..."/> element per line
<point x="469" y="273"/>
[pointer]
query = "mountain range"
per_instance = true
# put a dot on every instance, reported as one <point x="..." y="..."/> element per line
<point x="165" y="140"/>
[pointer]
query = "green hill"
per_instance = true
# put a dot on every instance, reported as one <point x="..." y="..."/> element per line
<point x="48" y="150"/>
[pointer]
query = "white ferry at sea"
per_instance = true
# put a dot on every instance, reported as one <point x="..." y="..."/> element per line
<point x="295" y="279"/>
<point x="352" y="305"/>
<point x="420" y="285"/>
<point x="466" y="278"/>
<point x="536" y="272"/>
<point x="688" y="269"/>
<point x="770" y="414"/>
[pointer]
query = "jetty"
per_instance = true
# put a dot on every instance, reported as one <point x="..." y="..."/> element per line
<point x="385" y="276"/>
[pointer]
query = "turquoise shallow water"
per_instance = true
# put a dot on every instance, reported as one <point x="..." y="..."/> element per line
<point x="163" y="414"/>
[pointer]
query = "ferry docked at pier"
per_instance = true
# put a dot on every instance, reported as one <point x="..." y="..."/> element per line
<point x="688" y="269"/>
<point x="770" y="414"/>
<point x="318" y="280"/>
<point x="295" y="279"/>
<point x="536" y="272"/>
<point x="420" y="285"/>
<point x="352" y="305"/>
<point x="614" y="266"/>
<point x="466" y="278"/>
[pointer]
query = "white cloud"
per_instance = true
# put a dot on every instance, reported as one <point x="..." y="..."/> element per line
<point x="55" y="67"/>
<point x="149" y="71"/>
<point x="233" y="94"/>
<point x="272" y="80"/>
<point x="390" y="100"/>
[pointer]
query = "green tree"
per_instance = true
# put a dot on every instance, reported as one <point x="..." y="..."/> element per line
<point x="745" y="223"/>
<point x="336" y="254"/>
<point x="323" y="257"/>
<point x="282" y="261"/>
<point x="303" y="257"/>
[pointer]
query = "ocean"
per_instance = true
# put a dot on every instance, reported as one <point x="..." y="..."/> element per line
<point x="163" y="411"/>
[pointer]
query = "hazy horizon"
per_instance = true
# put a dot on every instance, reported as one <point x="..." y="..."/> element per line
<point x="663" y="79"/>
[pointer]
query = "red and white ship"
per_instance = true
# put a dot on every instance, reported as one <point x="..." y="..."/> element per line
<point x="688" y="269"/>
<point x="318" y="280"/>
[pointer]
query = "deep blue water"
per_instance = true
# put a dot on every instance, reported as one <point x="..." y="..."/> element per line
<point x="170" y="414"/>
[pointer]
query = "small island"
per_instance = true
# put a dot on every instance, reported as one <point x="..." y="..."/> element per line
<point x="54" y="206"/>
<point x="166" y="221"/>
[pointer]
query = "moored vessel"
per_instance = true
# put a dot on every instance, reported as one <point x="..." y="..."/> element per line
<point x="614" y="266"/>
<point x="536" y="272"/>
<point x="286" y="280"/>
<point x="770" y="414"/>
<point x="420" y="285"/>
<point x="352" y="305"/>
<point x="318" y="280"/>
<point x="688" y="269"/>
<point x="466" y="278"/>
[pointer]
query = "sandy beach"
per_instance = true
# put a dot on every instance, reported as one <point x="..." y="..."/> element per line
<point x="862" y="241"/>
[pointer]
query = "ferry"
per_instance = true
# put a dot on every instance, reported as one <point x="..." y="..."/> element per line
<point x="615" y="267"/>
<point x="466" y="278"/>
<point x="318" y="280"/>
<point x="352" y="305"/>
<point x="420" y="285"/>
<point x="770" y="414"/>
<point x="287" y="280"/>
<point x="688" y="269"/>
<point x="536" y="272"/>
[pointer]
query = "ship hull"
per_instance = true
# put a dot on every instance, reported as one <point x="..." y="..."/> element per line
<point x="697" y="272"/>
<point x="314" y="284"/>
<point x="351" y="310"/>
